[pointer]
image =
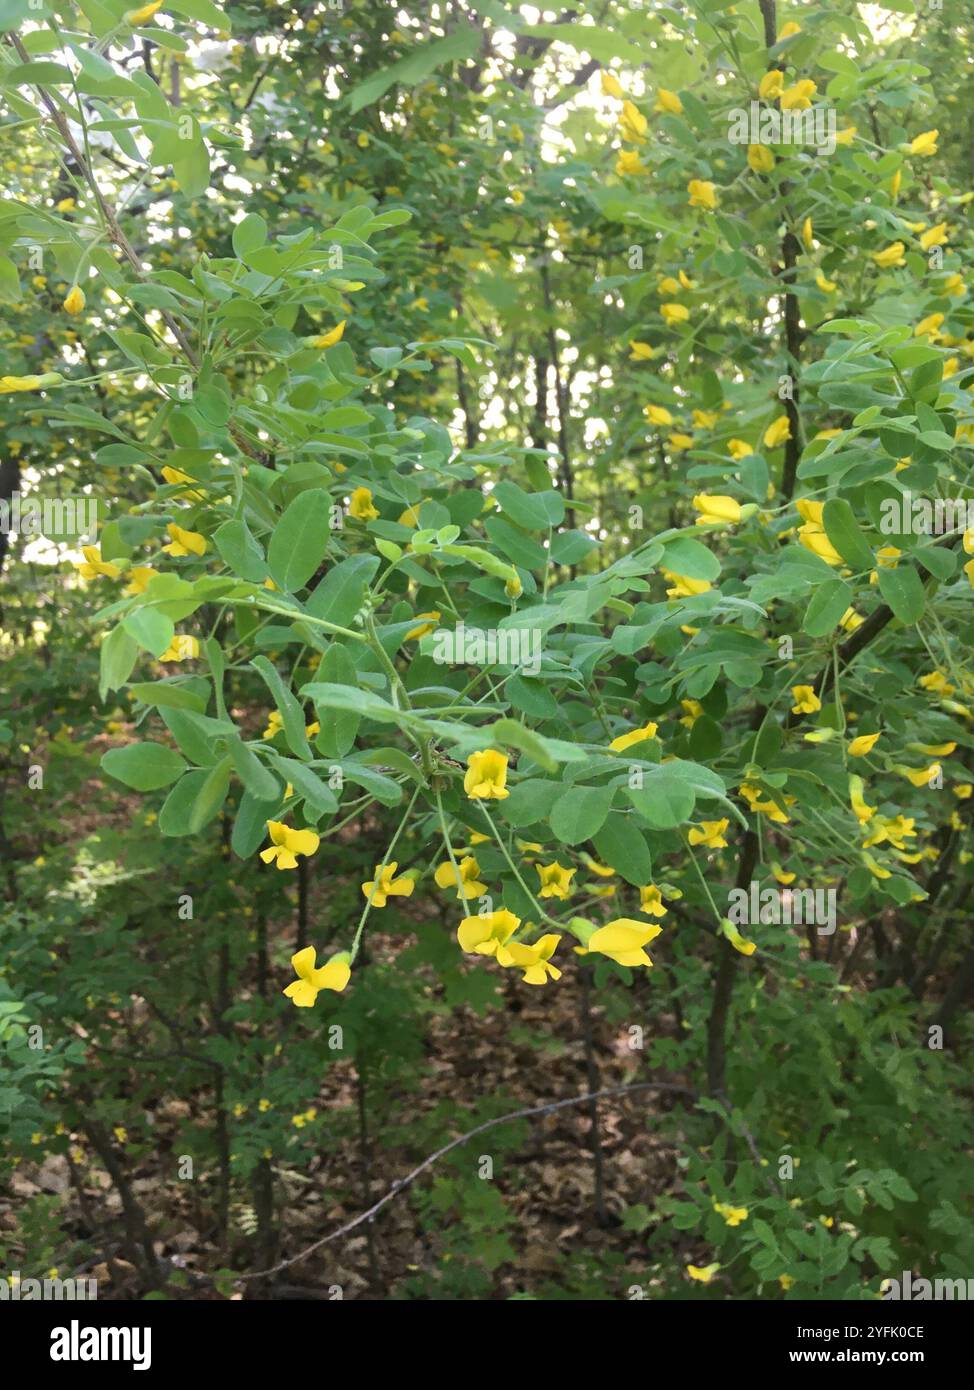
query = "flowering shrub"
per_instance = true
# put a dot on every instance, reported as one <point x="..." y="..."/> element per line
<point x="648" y="634"/>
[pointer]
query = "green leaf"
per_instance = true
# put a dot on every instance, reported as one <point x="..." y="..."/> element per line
<point x="580" y="812"/>
<point x="249" y="234"/>
<point x="902" y="590"/>
<point x="150" y="628"/>
<point x="292" y="715"/>
<point x="845" y="533"/>
<point x="462" y="43"/>
<point x="117" y="657"/>
<point x="826" y="607"/>
<point x="317" y="795"/>
<point x="211" y="795"/>
<point x="510" y="734"/>
<point x="300" y="540"/>
<point x="664" y="800"/>
<point x="688" y="557"/>
<point x="535" y="511"/>
<point x="341" y="593"/>
<point x="530" y="801"/>
<point x="261" y="784"/>
<point x="239" y="551"/>
<point x="143" y="766"/>
<point x="164" y="695"/>
<point x="621" y="844"/>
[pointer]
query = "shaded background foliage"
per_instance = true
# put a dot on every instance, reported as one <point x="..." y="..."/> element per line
<point x="513" y="238"/>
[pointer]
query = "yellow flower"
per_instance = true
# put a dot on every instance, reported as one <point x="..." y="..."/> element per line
<point x="732" y="1215"/>
<point x="446" y="877"/>
<point x="716" y="507"/>
<point x="709" y="833"/>
<point x="641" y="352"/>
<point x="739" y="448"/>
<point x="790" y="28"/>
<point x="925" y="144"/>
<point x="143" y="15"/>
<point x="929" y="327"/>
<point x="669" y="286"/>
<point x="287" y="844"/>
<point x="777" y="432"/>
<point x="781" y="875"/>
<point x="75" y="300"/>
<point x="862" y="745"/>
<point x="786" y="1281"/>
<point x="138" y="579"/>
<point x="65" y="205"/>
<point x="93" y="564"/>
<point x="798" y="97"/>
<point x="9" y="384"/>
<point x="760" y="159"/>
<point x="632" y="124"/>
<point x="628" y="162"/>
<point x="305" y="989"/>
<point x="705" y="419"/>
<point x="921" y="777"/>
<point x="815" y="540"/>
<point x="556" y="882"/>
<point x="362" y="140"/>
<point x="361" y="506"/>
<point x="184" y="542"/>
<point x="611" y="86"/>
<point x="739" y="943"/>
<point x="963" y="790"/>
<point x="385" y="885"/>
<point x="846" y="137"/>
<point x="488" y="934"/>
<point x="674" y="313"/>
<point x="826" y="286"/>
<point x="517" y="197"/>
<point x="275" y="724"/>
<point x="183" y="647"/>
<point x="857" y="801"/>
<point x="486" y="776"/>
<point x="329" y="339"/>
<point x="702" y="1275"/>
<point x="890" y="256"/>
<point x="535" y="960"/>
<point x="682" y="586"/>
<point x="623" y="941"/>
<point x="651" y="901"/>
<point x="602" y="870"/>
<point x="938" y="683"/>
<point x="668" y="101"/>
<point x="657" y="415"/>
<point x="935" y="236"/>
<point x="771" y="86"/>
<point x="806" y="701"/>
<point x="702" y="194"/>
<point x="427" y="624"/>
<point x="624" y="741"/>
